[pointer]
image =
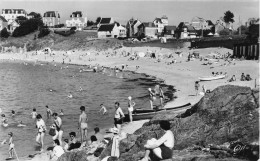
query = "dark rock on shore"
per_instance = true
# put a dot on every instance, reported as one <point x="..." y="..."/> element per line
<point x="223" y="125"/>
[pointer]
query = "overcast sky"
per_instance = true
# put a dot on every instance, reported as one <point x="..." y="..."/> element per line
<point x="145" y="10"/>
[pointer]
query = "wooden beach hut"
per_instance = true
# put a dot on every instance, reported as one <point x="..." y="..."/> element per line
<point x="247" y="50"/>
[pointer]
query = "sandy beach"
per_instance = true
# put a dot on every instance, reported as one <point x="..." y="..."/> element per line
<point x="182" y="74"/>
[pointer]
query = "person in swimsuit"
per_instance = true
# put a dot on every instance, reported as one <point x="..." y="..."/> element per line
<point x="21" y="124"/>
<point x="40" y="125"/>
<point x="4" y="120"/>
<point x="131" y="105"/>
<point x="119" y="115"/>
<point x="103" y="108"/>
<point x="83" y="125"/>
<point x="161" y="148"/>
<point x="34" y="113"/>
<point x="152" y="97"/>
<point x="58" y="127"/>
<point x="61" y="112"/>
<point x="161" y="95"/>
<point x="11" y="145"/>
<point x="13" y="113"/>
<point x="49" y="112"/>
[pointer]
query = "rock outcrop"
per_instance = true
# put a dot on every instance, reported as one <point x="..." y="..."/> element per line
<point x="223" y="125"/>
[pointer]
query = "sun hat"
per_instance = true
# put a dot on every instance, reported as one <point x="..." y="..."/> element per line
<point x="149" y="89"/>
<point x="10" y="133"/>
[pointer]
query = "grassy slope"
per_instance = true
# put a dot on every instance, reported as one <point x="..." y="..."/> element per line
<point x="79" y="40"/>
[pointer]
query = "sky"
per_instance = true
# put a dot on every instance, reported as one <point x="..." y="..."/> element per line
<point x="145" y="10"/>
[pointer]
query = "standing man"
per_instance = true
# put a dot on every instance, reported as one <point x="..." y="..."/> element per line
<point x="119" y="115"/>
<point x="83" y="125"/>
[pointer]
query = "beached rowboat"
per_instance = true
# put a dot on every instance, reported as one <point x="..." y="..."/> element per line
<point x="210" y="78"/>
<point x="140" y="114"/>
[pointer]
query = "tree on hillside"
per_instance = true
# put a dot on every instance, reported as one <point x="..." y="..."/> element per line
<point x="4" y="33"/>
<point x="20" y="19"/>
<point x="228" y="17"/>
<point x="90" y="23"/>
<point x="36" y="15"/>
<point x="28" y="27"/>
<point x="98" y="20"/>
<point x="243" y="29"/>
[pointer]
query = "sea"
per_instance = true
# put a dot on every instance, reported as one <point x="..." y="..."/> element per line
<point x="28" y="85"/>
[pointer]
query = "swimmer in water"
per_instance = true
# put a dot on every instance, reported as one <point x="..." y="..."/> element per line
<point x="21" y="124"/>
<point x="103" y="108"/>
<point x="50" y="90"/>
<point x="61" y="112"/>
<point x="70" y="95"/>
<point x="49" y="112"/>
<point x="4" y="120"/>
<point x="34" y="113"/>
<point x="13" y="113"/>
<point x="80" y="89"/>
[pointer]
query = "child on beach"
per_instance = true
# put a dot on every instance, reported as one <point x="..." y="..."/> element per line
<point x="34" y="113"/>
<point x="197" y="85"/>
<point x="49" y="112"/>
<point x="131" y="105"/>
<point x="103" y="108"/>
<point x="11" y="145"/>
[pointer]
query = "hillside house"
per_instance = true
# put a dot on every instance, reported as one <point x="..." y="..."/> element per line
<point x="252" y="21"/>
<point x="132" y="27"/>
<point x="185" y="31"/>
<point x="12" y="26"/>
<point x="160" y="23"/>
<point x="169" y="31"/>
<point x="114" y="30"/>
<point x="105" y="21"/>
<point x="148" y="29"/>
<point x="3" y="23"/>
<point x="11" y="14"/>
<point x="77" y="20"/>
<point x="51" y="18"/>
<point x="200" y="23"/>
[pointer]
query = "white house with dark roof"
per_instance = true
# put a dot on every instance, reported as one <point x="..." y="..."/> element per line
<point x="3" y="23"/>
<point x="11" y="14"/>
<point x="105" y="21"/>
<point x="148" y="29"/>
<point x="200" y="23"/>
<point x="114" y="30"/>
<point x="77" y="20"/>
<point x="51" y="18"/>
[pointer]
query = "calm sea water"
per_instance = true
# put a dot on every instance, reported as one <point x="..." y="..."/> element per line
<point x="27" y="86"/>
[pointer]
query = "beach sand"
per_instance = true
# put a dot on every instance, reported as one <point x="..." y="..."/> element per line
<point x="182" y="75"/>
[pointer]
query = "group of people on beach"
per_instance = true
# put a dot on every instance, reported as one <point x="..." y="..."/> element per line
<point x="243" y="78"/>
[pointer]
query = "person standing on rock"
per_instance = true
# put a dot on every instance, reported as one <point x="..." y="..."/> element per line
<point x="161" y="148"/>
<point x="58" y="127"/>
<point x="131" y="105"/>
<point x="119" y="115"/>
<point x="152" y="97"/>
<point x="197" y="85"/>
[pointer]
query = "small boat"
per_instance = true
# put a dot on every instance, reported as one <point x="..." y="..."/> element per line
<point x="137" y="111"/>
<point x="141" y="114"/>
<point x="210" y="78"/>
<point x="87" y="70"/>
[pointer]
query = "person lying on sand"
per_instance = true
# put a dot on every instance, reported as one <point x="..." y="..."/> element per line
<point x="21" y="124"/>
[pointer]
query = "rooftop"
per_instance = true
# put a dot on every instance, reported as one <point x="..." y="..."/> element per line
<point x="107" y="27"/>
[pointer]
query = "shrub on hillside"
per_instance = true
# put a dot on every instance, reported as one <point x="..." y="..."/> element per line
<point x="4" y="33"/>
<point x="65" y="33"/>
<point x="224" y="32"/>
<point x="43" y="32"/>
<point x="27" y="27"/>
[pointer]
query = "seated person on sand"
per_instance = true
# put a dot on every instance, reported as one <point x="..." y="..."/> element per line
<point x="162" y="148"/>
<point x="57" y="150"/>
<point x="248" y="78"/>
<point x="98" y="135"/>
<point x="233" y="78"/>
<point x="73" y="143"/>
<point x="66" y="145"/>
<point x="93" y="145"/>
<point x="243" y="77"/>
<point x="21" y="124"/>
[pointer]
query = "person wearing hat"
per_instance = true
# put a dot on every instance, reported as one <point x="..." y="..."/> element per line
<point x="131" y="105"/>
<point x="152" y="97"/>
<point x="11" y="145"/>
